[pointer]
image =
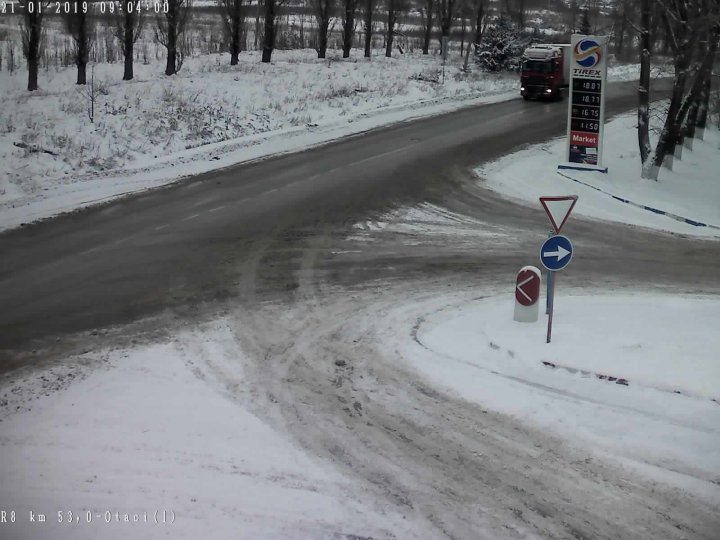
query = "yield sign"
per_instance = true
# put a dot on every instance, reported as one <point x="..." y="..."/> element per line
<point x="558" y="209"/>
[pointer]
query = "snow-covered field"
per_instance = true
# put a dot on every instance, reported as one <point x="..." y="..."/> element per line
<point x="155" y="129"/>
<point x="690" y="191"/>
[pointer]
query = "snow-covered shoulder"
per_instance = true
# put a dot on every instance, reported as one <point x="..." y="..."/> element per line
<point x="683" y="200"/>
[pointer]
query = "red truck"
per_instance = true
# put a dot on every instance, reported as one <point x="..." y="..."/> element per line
<point x="545" y="71"/>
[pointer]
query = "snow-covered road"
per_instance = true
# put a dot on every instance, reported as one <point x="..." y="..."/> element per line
<point x="395" y="408"/>
<point x="336" y="417"/>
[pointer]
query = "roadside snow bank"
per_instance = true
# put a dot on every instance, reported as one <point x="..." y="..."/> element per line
<point x="690" y="190"/>
<point x="658" y="344"/>
<point x="146" y="431"/>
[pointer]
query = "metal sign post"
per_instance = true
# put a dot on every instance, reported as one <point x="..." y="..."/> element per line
<point x="550" y="281"/>
<point x="444" y="54"/>
<point x="556" y="252"/>
<point x="586" y="109"/>
<point x="551" y="301"/>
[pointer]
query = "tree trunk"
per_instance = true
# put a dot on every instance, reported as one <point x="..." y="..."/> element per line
<point x="705" y="84"/>
<point x="170" y="66"/>
<point x="237" y="20"/>
<point x="82" y="52"/>
<point x="128" y="46"/>
<point x="390" y="33"/>
<point x="429" y="9"/>
<point x="446" y="18"/>
<point x="322" y="45"/>
<point x="348" y="27"/>
<point x="33" y="66"/>
<point x="81" y="72"/>
<point x="704" y="103"/>
<point x="33" y="27"/>
<point x="369" y="7"/>
<point x="671" y="129"/>
<point x="644" y="87"/>
<point x="269" y="37"/>
<point x="479" y="16"/>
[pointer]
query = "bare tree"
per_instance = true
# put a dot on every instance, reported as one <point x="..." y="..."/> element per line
<point x="574" y="12"/>
<point x="32" y="37"/>
<point x="170" y="26"/>
<point x="128" y="27"/>
<point x="270" y="28"/>
<point x="368" y="25"/>
<point x="428" y="10"/>
<point x="323" y="13"/>
<point x="480" y="21"/>
<point x="233" y="16"/>
<point x="623" y="15"/>
<point x="394" y="9"/>
<point x="268" y="42"/>
<point x="517" y="11"/>
<point x="644" y="87"/>
<point x="446" y="13"/>
<point x="703" y="72"/>
<point x="684" y="18"/>
<point x="79" y="24"/>
<point x="585" y="26"/>
<point x="348" y="25"/>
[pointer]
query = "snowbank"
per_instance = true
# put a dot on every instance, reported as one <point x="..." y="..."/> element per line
<point x="635" y="377"/>
<point x="689" y="192"/>
<point x="146" y="430"/>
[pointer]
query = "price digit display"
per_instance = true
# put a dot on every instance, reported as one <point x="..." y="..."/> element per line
<point x="587" y="85"/>
<point x="588" y="69"/>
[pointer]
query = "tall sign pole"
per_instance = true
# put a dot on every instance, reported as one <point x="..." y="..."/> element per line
<point x="586" y="108"/>
<point x="557" y="251"/>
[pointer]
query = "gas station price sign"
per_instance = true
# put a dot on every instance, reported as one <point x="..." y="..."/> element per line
<point x="586" y="111"/>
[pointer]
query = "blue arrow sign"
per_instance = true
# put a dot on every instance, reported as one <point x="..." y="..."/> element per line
<point x="556" y="252"/>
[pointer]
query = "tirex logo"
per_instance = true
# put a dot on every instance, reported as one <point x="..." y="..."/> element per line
<point x="588" y="53"/>
<point x="584" y="139"/>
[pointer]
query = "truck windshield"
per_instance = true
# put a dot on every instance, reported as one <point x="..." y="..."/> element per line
<point x="537" y="66"/>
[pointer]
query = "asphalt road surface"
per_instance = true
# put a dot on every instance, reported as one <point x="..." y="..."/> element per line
<point x="176" y="248"/>
<point x="274" y="244"/>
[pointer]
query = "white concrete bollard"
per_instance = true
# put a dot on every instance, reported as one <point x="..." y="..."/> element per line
<point x="678" y="151"/>
<point x="669" y="160"/>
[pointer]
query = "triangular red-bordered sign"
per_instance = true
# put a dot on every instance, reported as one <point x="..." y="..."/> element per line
<point x="558" y="209"/>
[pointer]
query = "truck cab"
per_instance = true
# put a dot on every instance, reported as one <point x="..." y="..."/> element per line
<point x="545" y="71"/>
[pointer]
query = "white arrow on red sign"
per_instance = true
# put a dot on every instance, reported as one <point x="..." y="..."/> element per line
<point x="527" y="286"/>
<point x="558" y="209"/>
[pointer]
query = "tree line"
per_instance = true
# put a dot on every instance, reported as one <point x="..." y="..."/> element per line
<point x="435" y="19"/>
